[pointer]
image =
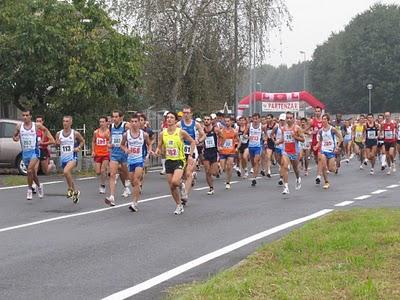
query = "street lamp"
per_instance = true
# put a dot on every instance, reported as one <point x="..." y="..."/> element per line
<point x="369" y="87"/>
<point x="304" y="71"/>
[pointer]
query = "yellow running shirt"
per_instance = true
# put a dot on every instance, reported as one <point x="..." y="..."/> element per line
<point x="173" y="145"/>
<point x="358" y="133"/>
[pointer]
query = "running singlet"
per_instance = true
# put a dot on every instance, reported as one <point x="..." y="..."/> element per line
<point x="389" y="131"/>
<point x="42" y="138"/>
<point x="358" y="133"/>
<point x="289" y="142"/>
<point x="101" y="145"/>
<point x="228" y="144"/>
<point x="191" y="130"/>
<point x="307" y="141"/>
<point x="243" y="136"/>
<point x="316" y="125"/>
<point x="278" y="136"/>
<point x="173" y="145"/>
<point x="29" y="139"/>
<point x="328" y="140"/>
<point x="268" y="132"/>
<point x="135" y="147"/>
<point x="116" y="138"/>
<point x="371" y="134"/>
<point x="348" y="134"/>
<point x="67" y="145"/>
<point x="210" y="143"/>
<point x="255" y="136"/>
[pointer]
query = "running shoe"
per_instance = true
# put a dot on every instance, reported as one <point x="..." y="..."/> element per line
<point x="285" y="190"/>
<point x="318" y="180"/>
<point x="280" y="182"/>
<point x="40" y="191"/>
<point x="126" y="192"/>
<point x="383" y="167"/>
<point x="246" y="175"/>
<point x="347" y="160"/>
<point x="110" y="200"/>
<point x="251" y="171"/>
<point x="70" y="193"/>
<point x="351" y="156"/>
<point x="179" y="210"/>
<point x="75" y="197"/>
<point x="262" y="172"/>
<point x="366" y="162"/>
<point x="34" y="188"/>
<point x="253" y="182"/>
<point x="306" y="173"/>
<point x="133" y="207"/>
<point x="361" y="167"/>
<point x="372" y="172"/>
<point x="162" y="172"/>
<point x="326" y="185"/>
<point x="238" y="173"/>
<point x="394" y="168"/>
<point x="228" y="186"/>
<point x="210" y="191"/>
<point x="388" y="171"/>
<point x="102" y="189"/>
<point x="298" y="183"/>
<point x="269" y="174"/>
<point x="29" y="194"/>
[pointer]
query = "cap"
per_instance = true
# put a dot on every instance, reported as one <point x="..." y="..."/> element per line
<point x="198" y="120"/>
<point x="282" y="117"/>
<point x="213" y="116"/>
<point x="165" y="113"/>
<point x="180" y="114"/>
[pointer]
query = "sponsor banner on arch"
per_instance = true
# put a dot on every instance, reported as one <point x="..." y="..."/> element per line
<point x="281" y="106"/>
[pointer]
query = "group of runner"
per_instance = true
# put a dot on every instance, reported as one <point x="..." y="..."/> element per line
<point x="218" y="142"/>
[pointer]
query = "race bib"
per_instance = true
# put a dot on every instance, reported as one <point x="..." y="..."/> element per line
<point x="243" y="139"/>
<point x="254" y="138"/>
<point x="186" y="149"/>
<point x="228" y="143"/>
<point x="135" y="150"/>
<point x="371" y="135"/>
<point x="389" y="134"/>
<point x="66" y="149"/>
<point x="288" y="137"/>
<point x="209" y="142"/>
<point x="269" y="133"/>
<point x="27" y="144"/>
<point x="358" y="134"/>
<point x="116" y="140"/>
<point x="172" y="152"/>
<point x="101" y="142"/>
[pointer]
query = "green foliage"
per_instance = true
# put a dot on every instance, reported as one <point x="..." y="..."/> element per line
<point x="367" y="51"/>
<point x="59" y="58"/>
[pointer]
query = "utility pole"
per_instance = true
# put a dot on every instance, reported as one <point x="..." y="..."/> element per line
<point x="235" y="96"/>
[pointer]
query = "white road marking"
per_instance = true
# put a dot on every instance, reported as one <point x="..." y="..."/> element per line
<point x="393" y="186"/>
<point x="87" y="178"/>
<point x="377" y="192"/>
<point x="124" y="294"/>
<point x="13" y="187"/>
<point x="77" y="214"/>
<point x="363" y="197"/>
<point x="344" y="203"/>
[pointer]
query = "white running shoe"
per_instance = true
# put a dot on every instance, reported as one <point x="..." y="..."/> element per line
<point x="351" y="156"/>
<point x="110" y="200"/>
<point x="251" y="171"/>
<point x="210" y="191"/>
<point x="102" y="189"/>
<point x="388" y="171"/>
<point x="133" y="207"/>
<point x="228" y="186"/>
<point x="126" y="192"/>
<point x="29" y="194"/>
<point x="285" y="190"/>
<point x="394" y="168"/>
<point x="298" y="183"/>
<point x="34" y="187"/>
<point x="361" y="167"/>
<point x="372" y="172"/>
<point x="40" y="191"/>
<point x="246" y="175"/>
<point x="179" y="210"/>
<point x="366" y="162"/>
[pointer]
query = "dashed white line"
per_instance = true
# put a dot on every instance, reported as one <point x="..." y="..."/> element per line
<point x="393" y="186"/>
<point x="344" y="203"/>
<point x="377" y="192"/>
<point x="363" y="197"/>
<point x="129" y="292"/>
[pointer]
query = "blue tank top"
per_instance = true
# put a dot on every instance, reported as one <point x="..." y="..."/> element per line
<point x="191" y="129"/>
<point x="116" y="138"/>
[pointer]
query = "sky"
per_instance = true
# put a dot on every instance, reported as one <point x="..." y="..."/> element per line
<point x="313" y="22"/>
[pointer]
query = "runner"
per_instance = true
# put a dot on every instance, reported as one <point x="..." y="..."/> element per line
<point x="371" y="141"/>
<point x="27" y="133"/>
<point x="190" y="126"/>
<point x="163" y="126"/>
<point x="315" y="126"/>
<point x="255" y="146"/>
<point x="291" y="136"/>
<point x="44" y="143"/>
<point x="70" y="142"/>
<point x="398" y="136"/>
<point x="210" y="153"/>
<point x="277" y="136"/>
<point x="172" y="139"/>
<point x="100" y="153"/>
<point x="339" y="125"/>
<point x="359" y="140"/>
<point x="328" y="139"/>
<point x="306" y="145"/>
<point x="134" y="142"/>
<point x="229" y="142"/>
<point x="146" y="127"/>
<point x="118" y="158"/>
<point x="381" y="141"/>
<point x="269" y="144"/>
<point x="348" y="140"/>
<point x="243" y="150"/>
<point x="389" y="128"/>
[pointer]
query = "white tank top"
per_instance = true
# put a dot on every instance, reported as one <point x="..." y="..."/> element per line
<point x="28" y="137"/>
<point x="67" y="145"/>
<point x="135" y="147"/>
<point x="255" y="136"/>
<point x="328" y="141"/>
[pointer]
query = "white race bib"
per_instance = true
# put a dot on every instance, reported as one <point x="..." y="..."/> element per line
<point x="228" y="143"/>
<point x="116" y="140"/>
<point x="186" y="149"/>
<point x="209" y="142"/>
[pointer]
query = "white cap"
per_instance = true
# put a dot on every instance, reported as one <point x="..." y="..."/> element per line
<point x="165" y="113"/>
<point x="282" y="117"/>
<point x="198" y="120"/>
<point x="213" y="116"/>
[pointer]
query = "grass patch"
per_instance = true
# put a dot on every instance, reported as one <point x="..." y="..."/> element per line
<point x="13" y="180"/>
<point x="345" y="255"/>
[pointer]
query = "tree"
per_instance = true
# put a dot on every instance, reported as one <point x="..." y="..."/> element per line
<point x="367" y="51"/>
<point x="66" y="58"/>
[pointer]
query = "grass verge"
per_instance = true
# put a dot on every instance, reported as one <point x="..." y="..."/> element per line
<point x="13" y="180"/>
<point x="345" y="255"/>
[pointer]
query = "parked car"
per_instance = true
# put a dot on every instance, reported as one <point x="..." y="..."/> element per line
<point x="10" y="151"/>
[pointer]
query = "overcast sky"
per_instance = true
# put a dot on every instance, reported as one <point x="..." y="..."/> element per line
<point x="313" y="22"/>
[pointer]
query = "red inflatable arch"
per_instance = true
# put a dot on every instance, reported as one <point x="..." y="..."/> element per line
<point x="279" y="97"/>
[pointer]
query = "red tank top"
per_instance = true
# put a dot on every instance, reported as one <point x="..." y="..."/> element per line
<point x="316" y="125"/>
<point x="42" y="138"/>
<point x="389" y="132"/>
<point x="100" y="146"/>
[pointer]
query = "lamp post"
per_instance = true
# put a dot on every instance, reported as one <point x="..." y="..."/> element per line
<point x="304" y="71"/>
<point x="369" y="87"/>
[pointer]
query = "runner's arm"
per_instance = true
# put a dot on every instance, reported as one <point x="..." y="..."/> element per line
<point x="81" y="141"/>
<point x="123" y="143"/>
<point x="149" y="143"/>
<point x="185" y="136"/>
<point x="202" y="135"/>
<point x="160" y="144"/>
<point x="94" y="142"/>
<point x="299" y="135"/>
<point x="16" y="133"/>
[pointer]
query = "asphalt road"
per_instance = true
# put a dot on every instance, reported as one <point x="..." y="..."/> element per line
<point x="51" y="248"/>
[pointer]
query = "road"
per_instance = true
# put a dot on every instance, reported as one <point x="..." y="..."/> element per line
<point x="51" y="248"/>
